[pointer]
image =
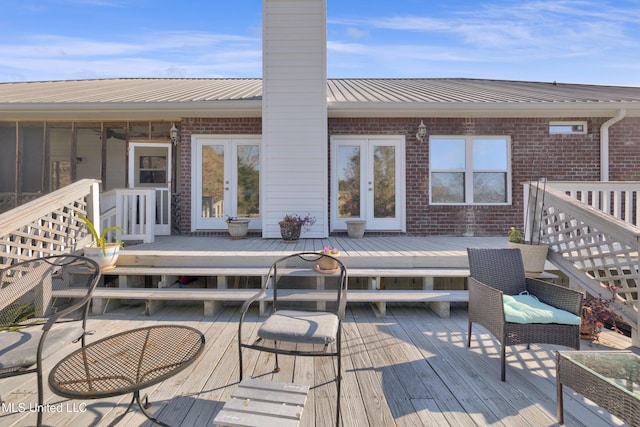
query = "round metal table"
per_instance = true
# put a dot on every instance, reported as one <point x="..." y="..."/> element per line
<point x="127" y="363"/>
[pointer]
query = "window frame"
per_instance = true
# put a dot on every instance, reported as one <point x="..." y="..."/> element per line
<point x="469" y="171"/>
<point x="569" y="123"/>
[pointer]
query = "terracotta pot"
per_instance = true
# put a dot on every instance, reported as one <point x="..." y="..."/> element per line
<point x="327" y="264"/>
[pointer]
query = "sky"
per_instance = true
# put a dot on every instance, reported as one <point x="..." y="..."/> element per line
<point x="569" y="41"/>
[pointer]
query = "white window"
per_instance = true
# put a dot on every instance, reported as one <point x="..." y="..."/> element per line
<point x="568" y="127"/>
<point x="470" y="170"/>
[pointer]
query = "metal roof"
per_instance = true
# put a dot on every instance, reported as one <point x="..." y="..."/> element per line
<point x="345" y="97"/>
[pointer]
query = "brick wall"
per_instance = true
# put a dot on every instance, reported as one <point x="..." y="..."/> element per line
<point x="535" y="153"/>
<point x="202" y="126"/>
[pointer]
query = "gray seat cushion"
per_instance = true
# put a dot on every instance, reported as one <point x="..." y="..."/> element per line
<point x="307" y="327"/>
<point x="19" y="348"/>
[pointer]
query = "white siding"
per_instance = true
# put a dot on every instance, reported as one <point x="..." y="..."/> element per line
<point x="294" y="113"/>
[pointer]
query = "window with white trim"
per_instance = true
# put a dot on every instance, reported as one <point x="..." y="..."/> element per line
<point x="470" y="170"/>
<point x="561" y="127"/>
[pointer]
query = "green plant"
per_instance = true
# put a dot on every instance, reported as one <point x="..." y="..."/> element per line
<point x="100" y="241"/>
<point x="515" y="235"/>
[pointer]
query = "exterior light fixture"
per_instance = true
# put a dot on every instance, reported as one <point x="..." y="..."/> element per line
<point x="173" y="134"/>
<point x="422" y="132"/>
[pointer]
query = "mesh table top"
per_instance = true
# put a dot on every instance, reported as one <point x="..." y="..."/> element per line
<point x="126" y="362"/>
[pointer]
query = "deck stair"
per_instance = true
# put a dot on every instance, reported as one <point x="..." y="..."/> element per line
<point x="593" y="236"/>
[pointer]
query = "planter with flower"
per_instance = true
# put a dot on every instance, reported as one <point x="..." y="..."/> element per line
<point x="534" y="255"/>
<point x="327" y="263"/>
<point x="238" y="227"/>
<point x="100" y="250"/>
<point x="292" y="224"/>
<point x="597" y="314"/>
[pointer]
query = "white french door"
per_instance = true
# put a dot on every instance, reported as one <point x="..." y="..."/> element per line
<point x="150" y="167"/>
<point x="225" y="181"/>
<point x="368" y="175"/>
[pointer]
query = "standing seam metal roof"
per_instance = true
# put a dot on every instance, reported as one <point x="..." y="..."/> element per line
<point x="373" y="91"/>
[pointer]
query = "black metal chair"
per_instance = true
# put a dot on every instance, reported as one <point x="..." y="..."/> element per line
<point x="498" y="272"/>
<point x="34" y="322"/>
<point x="315" y="330"/>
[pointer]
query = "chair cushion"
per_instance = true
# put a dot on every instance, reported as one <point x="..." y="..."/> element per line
<point x="307" y="327"/>
<point x="19" y="348"/>
<point x="528" y="309"/>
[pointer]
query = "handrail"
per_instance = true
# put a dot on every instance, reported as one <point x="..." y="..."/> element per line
<point x="48" y="225"/>
<point x="604" y="248"/>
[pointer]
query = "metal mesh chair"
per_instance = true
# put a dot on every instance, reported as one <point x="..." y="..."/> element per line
<point x="34" y="324"/>
<point x="495" y="272"/>
<point x="309" y="301"/>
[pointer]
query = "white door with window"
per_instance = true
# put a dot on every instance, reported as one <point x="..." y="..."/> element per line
<point x="368" y="176"/>
<point x="150" y="167"/>
<point x="225" y="181"/>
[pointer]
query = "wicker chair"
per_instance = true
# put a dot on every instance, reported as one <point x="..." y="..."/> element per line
<point x="314" y="330"/>
<point x="495" y="272"/>
<point x="28" y="312"/>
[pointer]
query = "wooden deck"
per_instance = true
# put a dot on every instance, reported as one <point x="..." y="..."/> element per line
<point x="371" y="251"/>
<point x="411" y="368"/>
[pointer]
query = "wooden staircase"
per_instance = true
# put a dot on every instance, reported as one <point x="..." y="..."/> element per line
<point x="593" y="236"/>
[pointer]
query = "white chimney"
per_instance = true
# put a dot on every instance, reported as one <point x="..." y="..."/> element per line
<point x="294" y="113"/>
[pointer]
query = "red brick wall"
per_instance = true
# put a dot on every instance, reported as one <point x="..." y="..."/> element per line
<point x="535" y="153"/>
<point x="624" y="150"/>
<point x="202" y="126"/>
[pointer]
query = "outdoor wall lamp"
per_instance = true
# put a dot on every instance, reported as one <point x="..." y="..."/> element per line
<point x="173" y="134"/>
<point x="422" y="132"/>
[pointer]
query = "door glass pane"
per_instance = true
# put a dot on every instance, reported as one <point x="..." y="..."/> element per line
<point x="447" y="187"/>
<point x="212" y="181"/>
<point x="489" y="187"/>
<point x="490" y="154"/>
<point x="248" y="181"/>
<point x="384" y="182"/>
<point x="348" y="169"/>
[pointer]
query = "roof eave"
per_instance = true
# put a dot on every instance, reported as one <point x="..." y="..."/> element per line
<point x="469" y="109"/>
<point x="130" y="110"/>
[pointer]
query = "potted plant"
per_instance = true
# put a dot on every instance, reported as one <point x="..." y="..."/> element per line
<point x="100" y="250"/>
<point x="534" y="255"/>
<point x="328" y="263"/>
<point x="238" y="227"/>
<point x="292" y="224"/>
<point x="596" y="311"/>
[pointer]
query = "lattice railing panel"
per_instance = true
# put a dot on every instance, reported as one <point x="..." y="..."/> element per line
<point x="604" y="248"/>
<point x="47" y="225"/>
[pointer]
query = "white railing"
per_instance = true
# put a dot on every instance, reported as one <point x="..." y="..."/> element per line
<point x="48" y="224"/>
<point x="617" y="198"/>
<point x="597" y="250"/>
<point x="132" y="209"/>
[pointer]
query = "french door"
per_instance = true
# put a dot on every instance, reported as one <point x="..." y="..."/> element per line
<point x="226" y="181"/>
<point x="368" y="182"/>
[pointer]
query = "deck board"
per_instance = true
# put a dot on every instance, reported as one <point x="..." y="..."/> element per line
<point x="410" y="368"/>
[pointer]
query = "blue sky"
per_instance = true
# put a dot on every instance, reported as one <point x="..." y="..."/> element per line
<point x="573" y="41"/>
